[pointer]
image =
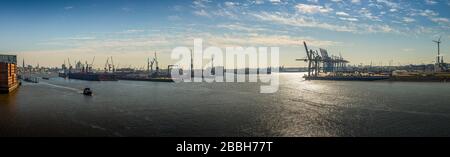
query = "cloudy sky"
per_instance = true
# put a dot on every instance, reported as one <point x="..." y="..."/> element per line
<point x="363" y="31"/>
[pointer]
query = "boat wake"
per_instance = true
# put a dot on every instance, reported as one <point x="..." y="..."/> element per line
<point x="62" y="87"/>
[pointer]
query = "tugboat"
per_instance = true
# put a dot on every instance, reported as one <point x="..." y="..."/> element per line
<point x="87" y="92"/>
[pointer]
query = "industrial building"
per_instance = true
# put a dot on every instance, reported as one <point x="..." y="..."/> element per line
<point x="8" y="73"/>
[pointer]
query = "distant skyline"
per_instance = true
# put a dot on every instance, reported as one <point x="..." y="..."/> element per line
<point x="363" y="31"/>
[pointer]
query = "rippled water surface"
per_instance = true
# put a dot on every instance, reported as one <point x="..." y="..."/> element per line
<point x="56" y="107"/>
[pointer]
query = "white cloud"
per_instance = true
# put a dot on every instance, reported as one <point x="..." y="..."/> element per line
<point x="375" y="5"/>
<point x="313" y="1"/>
<point x="200" y="3"/>
<point x="342" y="13"/>
<point x="355" y="1"/>
<point x="231" y="4"/>
<point x="367" y="14"/>
<point x="388" y="3"/>
<point x="428" y="13"/>
<point x="349" y="19"/>
<point x="312" y="9"/>
<point x="382" y="28"/>
<point x="239" y="27"/>
<point x="202" y="12"/>
<point x="275" y="1"/>
<point x="358" y="28"/>
<point x="258" y="2"/>
<point x="227" y="12"/>
<point x="265" y="40"/>
<point x="408" y="20"/>
<point x="113" y="43"/>
<point x="440" y="20"/>
<point x="300" y="22"/>
<point x="430" y="2"/>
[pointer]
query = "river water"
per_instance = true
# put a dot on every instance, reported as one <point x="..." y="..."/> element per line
<point x="56" y="107"/>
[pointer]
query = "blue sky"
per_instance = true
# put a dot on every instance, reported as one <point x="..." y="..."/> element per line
<point x="364" y="31"/>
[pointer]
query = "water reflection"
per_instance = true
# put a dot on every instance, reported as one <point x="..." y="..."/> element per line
<point x="8" y="103"/>
<point x="300" y="108"/>
<point x="8" y="113"/>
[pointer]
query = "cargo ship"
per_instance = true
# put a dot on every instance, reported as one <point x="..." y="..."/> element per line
<point x="150" y="79"/>
<point x="92" y="76"/>
<point x="347" y="78"/>
<point x="85" y="72"/>
<point x="8" y="73"/>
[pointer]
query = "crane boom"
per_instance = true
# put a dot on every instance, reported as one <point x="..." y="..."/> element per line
<point x="92" y="63"/>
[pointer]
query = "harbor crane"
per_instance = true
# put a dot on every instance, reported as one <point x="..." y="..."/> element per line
<point x="312" y="59"/>
<point x="107" y="68"/>
<point x="92" y="63"/>
<point x="156" y="62"/>
<point x="152" y="62"/>
<point x="329" y="64"/>
<point x="148" y="65"/>
<point x="90" y="66"/>
<point x="110" y="67"/>
<point x="70" y="65"/>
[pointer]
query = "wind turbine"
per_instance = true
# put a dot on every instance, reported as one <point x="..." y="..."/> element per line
<point x="438" y="42"/>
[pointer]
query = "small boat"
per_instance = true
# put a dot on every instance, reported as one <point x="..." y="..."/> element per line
<point x="45" y="78"/>
<point x="87" y="92"/>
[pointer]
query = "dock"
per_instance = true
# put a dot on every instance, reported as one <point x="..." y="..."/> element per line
<point x="162" y="79"/>
<point x="348" y="78"/>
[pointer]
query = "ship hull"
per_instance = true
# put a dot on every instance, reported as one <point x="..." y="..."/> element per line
<point x="92" y="77"/>
<point x="147" y="79"/>
<point x="63" y="75"/>
<point x="349" y="78"/>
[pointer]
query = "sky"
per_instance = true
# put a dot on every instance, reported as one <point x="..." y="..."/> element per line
<point x="380" y="32"/>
